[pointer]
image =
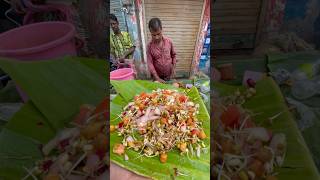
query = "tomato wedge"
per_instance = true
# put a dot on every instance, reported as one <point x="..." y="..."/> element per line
<point x="103" y="107"/>
<point x="143" y="95"/>
<point x="182" y="99"/>
<point x="231" y="116"/>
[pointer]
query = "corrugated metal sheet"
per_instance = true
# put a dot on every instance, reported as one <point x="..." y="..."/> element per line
<point x="180" y="21"/>
<point x="115" y="7"/>
<point x="235" y="23"/>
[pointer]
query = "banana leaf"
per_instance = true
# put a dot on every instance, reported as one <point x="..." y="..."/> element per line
<point x="269" y="101"/>
<point x="29" y="122"/>
<point x="57" y="87"/>
<point x="151" y="167"/>
<point x="70" y="81"/>
<point x="16" y="153"/>
<point x="292" y="62"/>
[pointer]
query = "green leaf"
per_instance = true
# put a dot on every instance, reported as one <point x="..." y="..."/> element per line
<point x="29" y="121"/>
<point x="151" y="167"/>
<point x="16" y="152"/>
<point x="57" y="87"/>
<point x="97" y="65"/>
<point x="298" y="162"/>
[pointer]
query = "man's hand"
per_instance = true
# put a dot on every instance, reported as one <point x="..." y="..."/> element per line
<point x="119" y="173"/>
<point x="173" y="72"/>
<point x="160" y="80"/>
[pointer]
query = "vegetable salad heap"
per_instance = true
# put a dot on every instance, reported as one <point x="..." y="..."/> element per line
<point x="243" y="150"/>
<point x="155" y="123"/>
<point x="77" y="153"/>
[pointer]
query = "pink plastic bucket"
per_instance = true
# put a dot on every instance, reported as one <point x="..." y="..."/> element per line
<point x="38" y="41"/>
<point x="122" y="74"/>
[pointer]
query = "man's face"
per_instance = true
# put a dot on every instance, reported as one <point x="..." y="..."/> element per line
<point x="114" y="26"/>
<point x="156" y="35"/>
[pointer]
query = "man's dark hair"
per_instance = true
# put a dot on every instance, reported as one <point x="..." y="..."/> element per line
<point x="113" y="17"/>
<point x="155" y="24"/>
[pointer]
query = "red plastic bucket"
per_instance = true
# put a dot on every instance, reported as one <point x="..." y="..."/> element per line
<point x="39" y="41"/>
<point x="122" y="74"/>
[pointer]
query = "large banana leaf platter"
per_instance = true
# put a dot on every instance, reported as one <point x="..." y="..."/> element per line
<point x="192" y="167"/>
<point x="268" y="101"/>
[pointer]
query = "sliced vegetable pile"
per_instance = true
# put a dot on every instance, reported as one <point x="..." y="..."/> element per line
<point x="79" y="152"/>
<point x="243" y="150"/>
<point x="156" y="123"/>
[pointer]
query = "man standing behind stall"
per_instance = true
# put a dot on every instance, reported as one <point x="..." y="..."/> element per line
<point x="161" y="56"/>
<point x="120" y="42"/>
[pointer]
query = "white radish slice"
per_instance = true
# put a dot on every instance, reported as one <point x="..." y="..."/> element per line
<point x="258" y="133"/>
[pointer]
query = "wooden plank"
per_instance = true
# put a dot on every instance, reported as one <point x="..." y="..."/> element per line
<point x="173" y="6"/>
<point x="185" y="67"/>
<point x="177" y="33"/>
<point x="188" y="21"/>
<point x="177" y="23"/>
<point x="172" y="30"/>
<point x="184" y="2"/>
<point x="235" y="12"/>
<point x="181" y="39"/>
<point x="177" y="26"/>
<point x="182" y="12"/>
<point x="226" y="31"/>
<point x="221" y="46"/>
<point x="236" y="5"/>
<point x="185" y="53"/>
<point x="184" y="62"/>
<point x="261" y="22"/>
<point x="172" y="13"/>
<point x="231" y="19"/>
<point x="173" y="18"/>
<point x="184" y="56"/>
<point x="178" y="49"/>
<point x="181" y="36"/>
<point x="234" y="37"/>
<point x="235" y="25"/>
<point x="230" y="40"/>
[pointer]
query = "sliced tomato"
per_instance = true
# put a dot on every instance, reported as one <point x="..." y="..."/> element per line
<point x="103" y="107"/>
<point x="143" y="95"/>
<point x="182" y="99"/>
<point x="231" y="116"/>
<point x="120" y="125"/>
<point x="195" y="131"/>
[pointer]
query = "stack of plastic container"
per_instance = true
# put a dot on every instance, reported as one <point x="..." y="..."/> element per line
<point x="204" y="62"/>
